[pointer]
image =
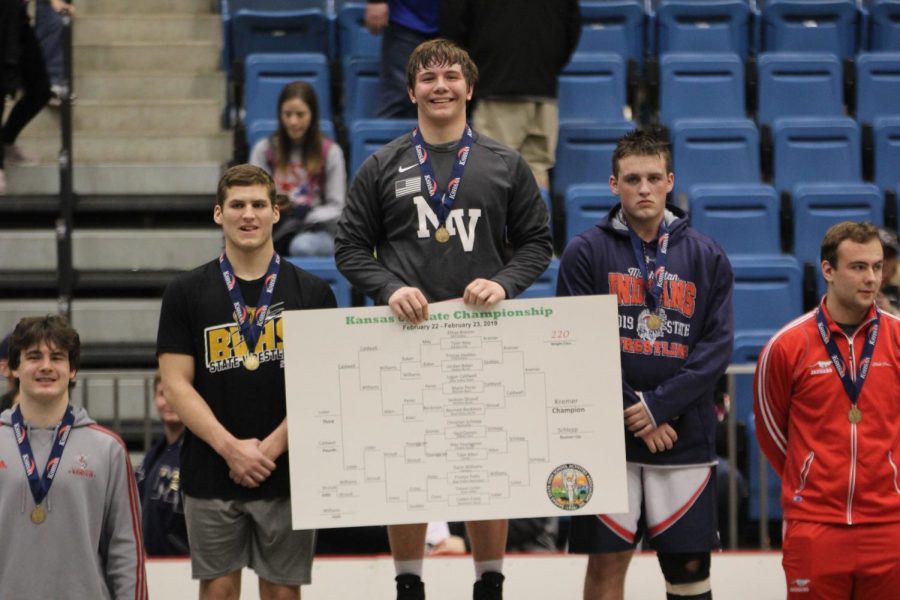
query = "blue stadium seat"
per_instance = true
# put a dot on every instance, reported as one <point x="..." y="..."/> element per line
<point x="545" y="285"/>
<point x="263" y="128"/>
<point x="353" y="39"/>
<point x="276" y="26"/>
<point x="325" y="268"/>
<point x="613" y="26"/>
<point x="883" y="25"/>
<point x="266" y="74"/>
<point x="887" y="152"/>
<point x="703" y="26"/>
<point x="773" y="487"/>
<point x="714" y="151"/>
<point x="586" y="204"/>
<point x="816" y="150"/>
<point x="768" y="291"/>
<point x="584" y="153"/>
<point x="368" y="135"/>
<point x="747" y="346"/>
<point x="742" y="217"/>
<point x="592" y="88"/>
<point x="695" y="85"/>
<point x="877" y="85"/>
<point x="818" y="206"/>
<point x="798" y="84"/>
<point x="810" y="26"/>
<point x="361" y="82"/>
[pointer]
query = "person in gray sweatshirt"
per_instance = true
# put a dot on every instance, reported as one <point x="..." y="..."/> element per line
<point x="69" y="507"/>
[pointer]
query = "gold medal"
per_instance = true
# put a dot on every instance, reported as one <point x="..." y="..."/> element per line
<point x="855" y="415"/>
<point x="38" y="515"/>
<point x="442" y="235"/>
<point x="251" y="362"/>
<point x="654" y="322"/>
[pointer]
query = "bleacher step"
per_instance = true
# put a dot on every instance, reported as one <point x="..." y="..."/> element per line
<point x="135" y="115"/>
<point x="134" y="57"/>
<point x="190" y="177"/>
<point x="144" y="147"/>
<point x="148" y="85"/>
<point x="106" y="28"/>
<point x="146" y="7"/>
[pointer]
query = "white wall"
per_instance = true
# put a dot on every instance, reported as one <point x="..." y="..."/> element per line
<point x="735" y="576"/>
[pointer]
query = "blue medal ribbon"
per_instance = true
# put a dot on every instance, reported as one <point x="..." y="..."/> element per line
<point x="443" y="201"/>
<point x="841" y="368"/>
<point x="653" y="282"/>
<point x="40" y="485"/>
<point x="250" y="328"/>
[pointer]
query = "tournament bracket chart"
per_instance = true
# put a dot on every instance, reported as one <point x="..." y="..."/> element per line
<point x="475" y="414"/>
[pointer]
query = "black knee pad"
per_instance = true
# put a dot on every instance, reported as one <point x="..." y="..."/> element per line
<point x="673" y="566"/>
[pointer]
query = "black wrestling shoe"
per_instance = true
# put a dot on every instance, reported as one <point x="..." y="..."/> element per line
<point x="489" y="587"/>
<point x="410" y="587"/>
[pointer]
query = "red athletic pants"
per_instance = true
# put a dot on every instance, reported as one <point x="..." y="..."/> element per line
<point x="841" y="562"/>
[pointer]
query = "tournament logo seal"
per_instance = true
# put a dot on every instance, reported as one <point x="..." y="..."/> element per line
<point x="570" y="486"/>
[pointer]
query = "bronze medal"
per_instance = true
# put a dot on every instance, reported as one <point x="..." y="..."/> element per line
<point x="654" y="322"/>
<point x="442" y="235"/>
<point x="855" y="415"/>
<point x="38" y="515"/>
<point x="251" y="362"/>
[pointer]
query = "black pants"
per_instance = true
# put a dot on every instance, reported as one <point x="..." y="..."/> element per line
<point x="35" y="88"/>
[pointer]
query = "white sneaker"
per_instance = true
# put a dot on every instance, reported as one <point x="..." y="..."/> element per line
<point x="18" y="157"/>
<point x="2" y="183"/>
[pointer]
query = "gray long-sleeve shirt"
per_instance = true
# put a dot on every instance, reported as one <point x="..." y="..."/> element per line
<point x="498" y="224"/>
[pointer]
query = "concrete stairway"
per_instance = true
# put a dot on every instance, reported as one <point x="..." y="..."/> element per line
<point x="150" y="98"/>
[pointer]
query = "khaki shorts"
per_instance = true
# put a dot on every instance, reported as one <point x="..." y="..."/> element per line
<point x="530" y="127"/>
<point x="228" y="535"/>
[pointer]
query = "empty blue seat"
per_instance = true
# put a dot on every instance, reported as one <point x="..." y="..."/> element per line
<point x="746" y="350"/>
<point x="325" y="268"/>
<point x="883" y="30"/>
<point x="798" y="84"/>
<point x="714" y="151"/>
<point x="613" y="26"/>
<point x="361" y="82"/>
<point x="584" y="153"/>
<point x="266" y="74"/>
<point x="818" y="206"/>
<point x="368" y="135"/>
<point x="586" y="204"/>
<point x="275" y="26"/>
<point x="353" y="39"/>
<point x="703" y="26"/>
<point x="877" y="85"/>
<point x="592" y="87"/>
<point x="742" y="217"/>
<point x="810" y="26"/>
<point x="263" y="128"/>
<point x="698" y="85"/>
<point x="807" y="150"/>
<point x="768" y="291"/>
<point x="545" y="285"/>
<point x="887" y="152"/>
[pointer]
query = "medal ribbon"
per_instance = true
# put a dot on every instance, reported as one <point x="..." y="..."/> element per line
<point x="250" y="328"/>
<point x="40" y="485"/>
<point x="443" y="201"/>
<point x="853" y="388"/>
<point x="653" y="282"/>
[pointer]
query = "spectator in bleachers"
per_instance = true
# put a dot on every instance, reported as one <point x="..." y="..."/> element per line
<point x="21" y="68"/>
<point x="68" y="503"/>
<point x="159" y="484"/>
<point x="309" y="173"/>
<point x="826" y="408"/>
<point x="889" y="295"/>
<point x="520" y="47"/>
<point x="222" y="362"/>
<point x="405" y="24"/>
<point x="674" y="288"/>
<point x="452" y="214"/>
<point x="48" y="28"/>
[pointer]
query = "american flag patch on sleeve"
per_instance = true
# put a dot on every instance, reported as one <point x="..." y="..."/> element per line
<point x="405" y="187"/>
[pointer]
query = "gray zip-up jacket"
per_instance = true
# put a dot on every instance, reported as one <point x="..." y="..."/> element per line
<point x="90" y="544"/>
